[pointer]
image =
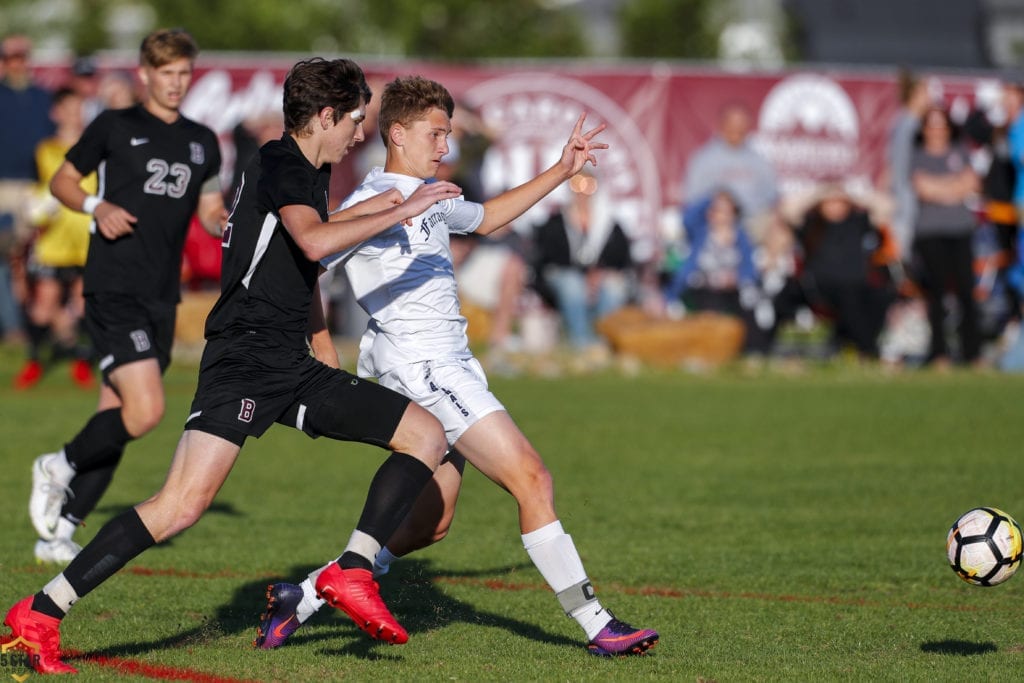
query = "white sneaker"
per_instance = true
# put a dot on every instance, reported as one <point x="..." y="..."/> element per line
<point x="59" y="550"/>
<point x="49" y="493"/>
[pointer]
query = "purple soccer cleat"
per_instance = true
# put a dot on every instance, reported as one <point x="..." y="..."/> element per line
<point x="619" y="639"/>
<point x="279" y="619"/>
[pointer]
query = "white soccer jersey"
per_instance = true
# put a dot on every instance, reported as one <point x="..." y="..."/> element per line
<point x="405" y="281"/>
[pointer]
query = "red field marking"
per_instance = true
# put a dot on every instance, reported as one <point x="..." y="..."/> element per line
<point x="155" y="671"/>
<point x="185" y="574"/>
<point x="680" y="593"/>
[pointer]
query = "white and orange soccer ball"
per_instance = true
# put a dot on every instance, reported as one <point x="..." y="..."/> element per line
<point x="984" y="546"/>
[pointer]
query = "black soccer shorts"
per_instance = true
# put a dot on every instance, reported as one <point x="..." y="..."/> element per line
<point x="248" y="383"/>
<point x="125" y="329"/>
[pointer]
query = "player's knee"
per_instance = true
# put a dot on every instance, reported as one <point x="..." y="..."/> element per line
<point x="442" y="528"/>
<point x="420" y="435"/>
<point x="168" y="513"/>
<point x="532" y="481"/>
<point x="190" y="510"/>
<point x="143" y="416"/>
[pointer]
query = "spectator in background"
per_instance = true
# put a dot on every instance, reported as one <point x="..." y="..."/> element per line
<point x="85" y="82"/>
<point x="248" y="136"/>
<point x="914" y="99"/>
<point x="56" y="259"/>
<point x="491" y="271"/>
<point x="467" y="148"/>
<point x="986" y="135"/>
<point x="1013" y="102"/>
<point x="777" y="261"/>
<point x="117" y="90"/>
<point x="729" y="161"/>
<point x="718" y="274"/>
<point x="944" y="181"/>
<point x="491" y="275"/>
<point x="841" y="276"/>
<point x="24" y="122"/>
<point x="582" y="262"/>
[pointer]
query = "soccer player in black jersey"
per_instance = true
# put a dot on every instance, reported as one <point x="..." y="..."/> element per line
<point x="257" y="368"/>
<point x="156" y="170"/>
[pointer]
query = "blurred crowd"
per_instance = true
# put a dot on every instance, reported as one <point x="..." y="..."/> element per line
<point x="925" y="270"/>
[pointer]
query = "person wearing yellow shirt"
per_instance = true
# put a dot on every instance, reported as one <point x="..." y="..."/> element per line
<point x="56" y="257"/>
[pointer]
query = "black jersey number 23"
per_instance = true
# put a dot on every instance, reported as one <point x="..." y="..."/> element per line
<point x="167" y="179"/>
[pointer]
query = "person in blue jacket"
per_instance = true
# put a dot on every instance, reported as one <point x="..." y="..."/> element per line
<point x="719" y="273"/>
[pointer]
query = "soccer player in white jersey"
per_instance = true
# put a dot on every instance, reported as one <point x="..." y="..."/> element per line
<point x="416" y="344"/>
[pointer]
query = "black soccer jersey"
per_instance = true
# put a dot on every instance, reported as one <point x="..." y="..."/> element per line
<point x="266" y="281"/>
<point x="155" y="171"/>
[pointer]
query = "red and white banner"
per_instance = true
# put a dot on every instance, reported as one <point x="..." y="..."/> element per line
<point x="811" y="124"/>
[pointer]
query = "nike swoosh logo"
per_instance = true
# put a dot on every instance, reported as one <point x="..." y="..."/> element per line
<point x="278" y="630"/>
<point x="138" y="141"/>
<point x="616" y="639"/>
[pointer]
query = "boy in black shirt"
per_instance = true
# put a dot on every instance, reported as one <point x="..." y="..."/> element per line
<point x="156" y="169"/>
<point x="257" y="369"/>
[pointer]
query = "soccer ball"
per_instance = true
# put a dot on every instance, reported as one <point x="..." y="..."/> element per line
<point x="984" y="546"/>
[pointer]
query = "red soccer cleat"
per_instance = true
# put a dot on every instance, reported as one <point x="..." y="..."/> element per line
<point x="38" y="630"/>
<point x="29" y="376"/>
<point x="82" y="375"/>
<point x="354" y="592"/>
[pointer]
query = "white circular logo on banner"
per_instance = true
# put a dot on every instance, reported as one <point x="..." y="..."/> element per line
<point x="534" y="113"/>
<point x="808" y="128"/>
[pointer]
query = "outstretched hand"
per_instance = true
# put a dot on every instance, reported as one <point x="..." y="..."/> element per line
<point x="428" y="194"/>
<point x="580" y="147"/>
<point x="378" y="202"/>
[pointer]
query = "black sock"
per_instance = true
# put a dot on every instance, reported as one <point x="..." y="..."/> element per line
<point x="41" y="602"/>
<point x="102" y="437"/>
<point x="118" y="541"/>
<point x="88" y="487"/>
<point x="36" y="338"/>
<point x="64" y="349"/>
<point x="392" y="493"/>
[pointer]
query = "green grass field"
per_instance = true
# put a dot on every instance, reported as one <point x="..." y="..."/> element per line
<point x="771" y="526"/>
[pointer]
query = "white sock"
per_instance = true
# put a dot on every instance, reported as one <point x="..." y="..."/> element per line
<point x="310" y="603"/>
<point x="555" y="556"/>
<point x="591" y="618"/>
<point x="61" y="592"/>
<point x="382" y="563"/>
<point x="363" y="544"/>
<point x="65" y="529"/>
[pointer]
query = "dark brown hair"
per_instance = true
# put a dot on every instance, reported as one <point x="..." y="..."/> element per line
<point x="316" y="83"/>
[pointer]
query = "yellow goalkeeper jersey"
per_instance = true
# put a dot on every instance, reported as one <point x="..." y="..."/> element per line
<point x="63" y="238"/>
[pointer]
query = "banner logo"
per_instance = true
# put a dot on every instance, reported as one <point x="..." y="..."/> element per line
<point x="809" y="130"/>
<point x="535" y="113"/>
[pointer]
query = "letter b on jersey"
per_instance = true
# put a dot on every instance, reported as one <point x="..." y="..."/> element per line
<point x="247" y="410"/>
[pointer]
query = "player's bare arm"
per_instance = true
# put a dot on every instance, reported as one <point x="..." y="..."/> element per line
<point x="578" y="151"/>
<point x="111" y="220"/>
<point x="375" y="204"/>
<point x="319" y="336"/>
<point x="317" y="239"/>
<point x="212" y="213"/>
